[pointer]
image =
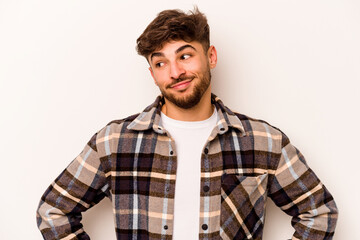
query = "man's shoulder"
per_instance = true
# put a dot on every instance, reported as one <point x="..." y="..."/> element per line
<point x="122" y="121"/>
<point x="255" y="126"/>
<point x="260" y="129"/>
<point x="251" y="126"/>
<point x="116" y="127"/>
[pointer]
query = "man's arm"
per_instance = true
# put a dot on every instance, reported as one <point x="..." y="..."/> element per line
<point x="80" y="186"/>
<point x="297" y="191"/>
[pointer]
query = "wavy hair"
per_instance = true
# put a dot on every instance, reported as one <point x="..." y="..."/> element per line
<point x="173" y="25"/>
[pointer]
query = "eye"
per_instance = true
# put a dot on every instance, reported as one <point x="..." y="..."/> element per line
<point x="185" y="56"/>
<point x="159" y="64"/>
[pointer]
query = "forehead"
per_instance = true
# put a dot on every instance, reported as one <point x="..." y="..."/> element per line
<point x="172" y="46"/>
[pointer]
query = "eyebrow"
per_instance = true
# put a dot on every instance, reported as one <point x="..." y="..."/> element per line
<point x="160" y="54"/>
<point x="184" y="47"/>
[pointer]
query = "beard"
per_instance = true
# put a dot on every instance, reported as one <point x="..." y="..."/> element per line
<point x="193" y="98"/>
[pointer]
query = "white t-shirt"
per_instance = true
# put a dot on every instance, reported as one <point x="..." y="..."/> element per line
<point x="190" y="139"/>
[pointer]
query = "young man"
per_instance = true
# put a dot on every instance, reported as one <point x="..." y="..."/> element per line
<point x="187" y="167"/>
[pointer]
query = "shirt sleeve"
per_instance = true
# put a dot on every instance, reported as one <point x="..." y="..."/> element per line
<point x="79" y="187"/>
<point x="298" y="191"/>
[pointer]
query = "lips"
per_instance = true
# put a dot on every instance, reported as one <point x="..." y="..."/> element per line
<point x="181" y="84"/>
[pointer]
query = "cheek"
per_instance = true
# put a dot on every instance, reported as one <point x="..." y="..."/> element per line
<point x="192" y="69"/>
<point x="160" y="78"/>
<point x="197" y="67"/>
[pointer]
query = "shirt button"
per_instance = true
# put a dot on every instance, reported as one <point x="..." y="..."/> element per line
<point x="171" y="152"/>
<point x="167" y="189"/>
<point x="206" y="188"/>
<point x="204" y="227"/>
<point x="206" y="151"/>
<point x="166" y="227"/>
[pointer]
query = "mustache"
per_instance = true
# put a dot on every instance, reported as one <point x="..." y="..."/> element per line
<point x="180" y="79"/>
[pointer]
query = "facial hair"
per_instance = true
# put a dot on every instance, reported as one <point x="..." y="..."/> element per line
<point x="194" y="98"/>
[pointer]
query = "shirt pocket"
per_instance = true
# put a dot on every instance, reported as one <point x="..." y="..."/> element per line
<point x="243" y="200"/>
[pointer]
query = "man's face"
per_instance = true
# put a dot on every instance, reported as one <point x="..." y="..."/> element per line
<point x="181" y="70"/>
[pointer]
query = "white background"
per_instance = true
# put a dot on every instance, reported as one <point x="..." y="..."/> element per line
<point x="69" y="67"/>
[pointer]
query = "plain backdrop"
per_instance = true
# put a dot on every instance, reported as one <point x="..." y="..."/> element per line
<point x="69" y="67"/>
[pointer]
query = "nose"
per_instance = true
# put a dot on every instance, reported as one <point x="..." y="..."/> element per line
<point x="176" y="70"/>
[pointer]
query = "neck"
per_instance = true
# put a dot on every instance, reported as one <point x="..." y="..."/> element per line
<point x="201" y="111"/>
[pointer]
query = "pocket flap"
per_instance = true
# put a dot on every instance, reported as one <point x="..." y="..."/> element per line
<point x="249" y="182"/>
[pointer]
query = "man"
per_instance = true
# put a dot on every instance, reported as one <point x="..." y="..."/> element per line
<point x="187" y="167"/>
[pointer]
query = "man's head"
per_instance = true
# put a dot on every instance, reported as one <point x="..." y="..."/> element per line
<point x="178" y="50"/>
<point x="173" y="25"/>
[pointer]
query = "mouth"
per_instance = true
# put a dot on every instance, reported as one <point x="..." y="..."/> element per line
<point x="182" y="84"/>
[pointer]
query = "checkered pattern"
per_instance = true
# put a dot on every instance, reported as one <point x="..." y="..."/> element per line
<point x="133" y="162"/>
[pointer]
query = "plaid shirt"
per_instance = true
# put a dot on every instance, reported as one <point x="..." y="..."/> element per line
<point x="133" y="162"/>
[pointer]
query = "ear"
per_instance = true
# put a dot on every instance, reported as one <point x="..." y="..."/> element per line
<point x="212" y="56"/>
<point x="152" y="74"/>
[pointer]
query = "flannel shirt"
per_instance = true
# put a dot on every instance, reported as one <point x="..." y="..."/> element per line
<point x="133" y="162"/>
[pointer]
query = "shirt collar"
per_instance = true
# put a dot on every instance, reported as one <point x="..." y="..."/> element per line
<point x="150" y="117"/>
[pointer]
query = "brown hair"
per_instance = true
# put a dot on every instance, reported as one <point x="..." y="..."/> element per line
<point x="174" y="25"/>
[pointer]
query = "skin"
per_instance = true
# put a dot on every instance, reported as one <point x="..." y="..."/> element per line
<point x="181" y="70"/>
